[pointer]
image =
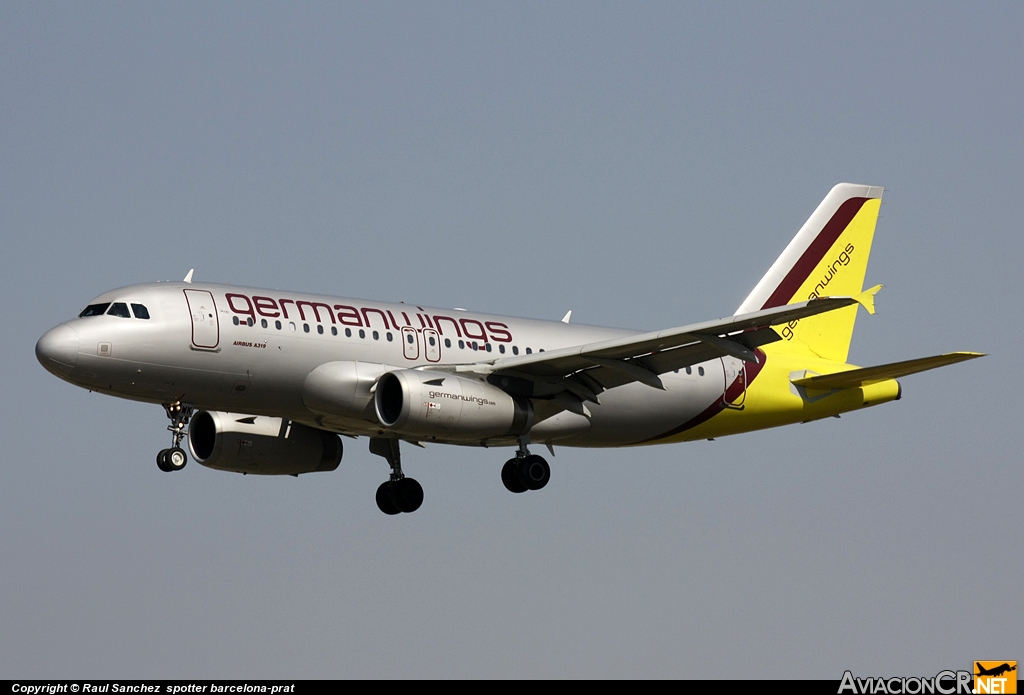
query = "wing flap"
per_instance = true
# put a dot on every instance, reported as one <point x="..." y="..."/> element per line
<point x="872" y="375"/>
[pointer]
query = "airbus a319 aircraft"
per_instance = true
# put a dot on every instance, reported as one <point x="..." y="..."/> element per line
<point x="263" y="381"/>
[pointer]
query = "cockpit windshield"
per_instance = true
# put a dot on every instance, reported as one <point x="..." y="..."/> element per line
<point x="94" y="310"/>
<point x="116" y="309"/>
<point x="119" y="309"/>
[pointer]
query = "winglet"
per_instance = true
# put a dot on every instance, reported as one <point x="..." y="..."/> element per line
<point x="565" y="319"/>
<point x="867" y="298"/>
<point x="188" y="278"/>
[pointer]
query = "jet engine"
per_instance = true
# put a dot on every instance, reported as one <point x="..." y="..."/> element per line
<point x="439" y="405"/>
<point x="261" y="445"/>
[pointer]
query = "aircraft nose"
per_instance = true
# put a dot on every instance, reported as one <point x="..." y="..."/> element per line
<point x="57" y="350"/>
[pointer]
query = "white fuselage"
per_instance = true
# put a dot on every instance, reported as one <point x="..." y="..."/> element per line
<point x="248" y="350"/>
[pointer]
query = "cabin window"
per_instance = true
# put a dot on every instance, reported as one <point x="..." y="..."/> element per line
<point x="362" y="333"/>
<point x="515" y="349"/>
<point x="348" y="332"/>
<point x="432" y="341"/>
<point x="700" y="371"/>
<point x="234" y="320"/>
<point x="447" y="342"/>
<point x="334" y="330"/>
<point x="140" y="311"/>
<point x="277" y="325"/>
<point x="119" y="309"/>
<point x="529" y="351"/>
<point x="291" y="326"/>
<point x="462" y="345"/>
<point x="376" y="335"/>
<point x="487" y="346"/>
<point x="320" y="329"/>
<point x="501" y="349"/>
<point x="305" y="328"/>
<point x="409" y="338"/>
<point x="263" y="322"/>
<point x="94" y="310"/>
<point x="391" y="337"/>
<point x="689" y="370"/>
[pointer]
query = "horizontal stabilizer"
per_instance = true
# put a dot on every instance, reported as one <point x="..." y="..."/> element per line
<point x="873" y="375"/>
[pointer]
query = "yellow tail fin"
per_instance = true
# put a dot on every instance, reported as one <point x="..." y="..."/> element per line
<point x="827" y="257"/>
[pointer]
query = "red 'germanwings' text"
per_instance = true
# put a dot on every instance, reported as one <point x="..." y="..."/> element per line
<point x="365" y="317"/>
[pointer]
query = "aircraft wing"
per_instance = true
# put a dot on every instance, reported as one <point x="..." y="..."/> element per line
<point x="586" y="370"/>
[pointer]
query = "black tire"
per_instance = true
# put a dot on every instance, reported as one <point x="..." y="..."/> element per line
<point x="407" y="494"/>
<point x="534" y="472"/>
<point x="161" y="461"/>
<point x="384" y="501"/>
<point x="176" y="459"/>
<point x="510" y="477"/>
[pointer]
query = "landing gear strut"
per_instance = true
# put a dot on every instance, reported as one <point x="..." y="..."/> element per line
<point x="175" y="458"/>
<point x="526" y="471"/>
<point x="399" y="494"/>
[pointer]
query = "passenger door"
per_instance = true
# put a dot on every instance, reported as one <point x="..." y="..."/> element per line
<point x="735" y="382"/>
<point x="205" y="323"/>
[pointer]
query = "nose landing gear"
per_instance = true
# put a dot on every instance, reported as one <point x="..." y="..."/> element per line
<point x="399" y="494"/>
<point x="526" y="471"/>
<point x="175" y="458"/>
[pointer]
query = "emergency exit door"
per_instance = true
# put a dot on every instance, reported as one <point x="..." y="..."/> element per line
<point x="410" y="343"/>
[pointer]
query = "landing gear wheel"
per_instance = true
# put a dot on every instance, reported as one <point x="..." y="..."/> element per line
<point x="400" y="494"/>
<point x="176" y="459"/>
<point x="161" y="461"/>
<point x="384" y="501"/>
<point x="510" y="476"/>
<point x="534" y="472"/>
<point x="407" y="494"/>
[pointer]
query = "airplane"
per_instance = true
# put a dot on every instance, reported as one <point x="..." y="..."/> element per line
<point x="995" y="671"/>
<point x="266" y="381"/>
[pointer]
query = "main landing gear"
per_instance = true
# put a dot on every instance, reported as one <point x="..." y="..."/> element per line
<point x="399" y="494"/>
<point x="175" y="458"/>
<point x="526" y="471"/>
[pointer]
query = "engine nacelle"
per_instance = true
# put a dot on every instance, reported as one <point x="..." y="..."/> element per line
<point x="439" y="405"/>
<point x="261" y="445"/>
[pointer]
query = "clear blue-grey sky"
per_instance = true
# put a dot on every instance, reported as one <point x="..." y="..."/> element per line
<point x="639" y="163"/>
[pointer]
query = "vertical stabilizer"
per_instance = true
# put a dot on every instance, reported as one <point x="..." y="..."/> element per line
<point x="827" y="257"/>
